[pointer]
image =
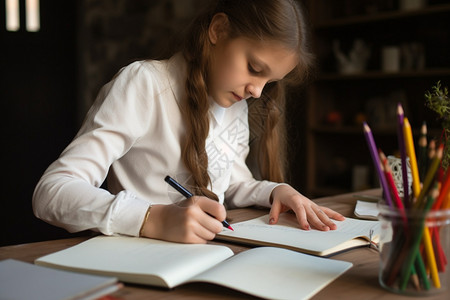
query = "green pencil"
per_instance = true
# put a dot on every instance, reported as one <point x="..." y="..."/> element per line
<point x="431" y="174"/>
<point x="415" y="251"/>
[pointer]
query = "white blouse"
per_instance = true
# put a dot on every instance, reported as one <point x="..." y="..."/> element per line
<point x="133" y="134"/>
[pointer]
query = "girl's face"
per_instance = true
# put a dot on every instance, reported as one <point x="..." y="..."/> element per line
<point x="240" y="68"/>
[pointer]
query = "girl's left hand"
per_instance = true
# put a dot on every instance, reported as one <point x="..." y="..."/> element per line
<point x="308" y="213"/>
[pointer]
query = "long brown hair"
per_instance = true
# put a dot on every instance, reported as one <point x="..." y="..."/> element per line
<point x="262" y="20"/>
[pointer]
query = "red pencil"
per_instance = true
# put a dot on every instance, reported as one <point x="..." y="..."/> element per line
<point x="390" y="180"/>
<point x="443" y="193"/>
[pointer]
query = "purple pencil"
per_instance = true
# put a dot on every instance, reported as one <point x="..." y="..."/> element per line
<point x="376" y="161"/>
<point x="401" y="145"/>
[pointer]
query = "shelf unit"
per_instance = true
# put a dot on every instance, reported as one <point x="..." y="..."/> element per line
<point x="338" y="159"/>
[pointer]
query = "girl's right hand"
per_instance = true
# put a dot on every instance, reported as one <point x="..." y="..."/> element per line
<point x="185" y="222"/>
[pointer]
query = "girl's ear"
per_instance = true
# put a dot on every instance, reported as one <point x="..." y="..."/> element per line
<point x="218" y="28"/>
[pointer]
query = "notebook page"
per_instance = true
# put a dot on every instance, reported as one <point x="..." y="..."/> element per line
<point x="287" y="232"/>
<point x="275" y="273"/>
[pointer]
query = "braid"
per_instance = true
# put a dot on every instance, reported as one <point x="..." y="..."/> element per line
<point x="196" y="114"/>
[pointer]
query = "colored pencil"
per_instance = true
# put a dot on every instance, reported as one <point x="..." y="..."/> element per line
<point x="447" y="201"/>
<point x="376" y="161"/>
<point x="441" y="259"/>
<point x="414" y="249"/>
<point x="443" y="193"/>
<point x="409" y="143"/>
<point x="419" y="265"/>
<point x="401" y="146"/>
<point x="430" y="176"/>
<point x="422" y="157"/>
<point x="430" y="190"/>
<point x="390" y="180"/>
<point x="431" y="258"/>
<point x="431" y="151"/>
<point x="435" y="234"/>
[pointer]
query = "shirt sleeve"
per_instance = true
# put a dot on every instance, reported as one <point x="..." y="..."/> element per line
<point x="244" y="189"/>
<point x="68" y="194"/>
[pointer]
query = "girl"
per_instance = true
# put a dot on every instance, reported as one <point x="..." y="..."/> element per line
<point x="187" y="117"/>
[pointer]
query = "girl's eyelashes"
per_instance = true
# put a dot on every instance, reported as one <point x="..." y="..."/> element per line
<point x="252" y="69"/>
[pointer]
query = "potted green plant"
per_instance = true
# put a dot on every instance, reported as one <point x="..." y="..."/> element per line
<point x="438" y="101"/>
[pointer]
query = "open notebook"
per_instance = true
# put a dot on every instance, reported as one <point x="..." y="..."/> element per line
<point x="265" y="272"/>
<point x="350" y="233"/>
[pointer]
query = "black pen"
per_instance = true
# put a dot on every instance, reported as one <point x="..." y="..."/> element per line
<point x="183" y="191"/>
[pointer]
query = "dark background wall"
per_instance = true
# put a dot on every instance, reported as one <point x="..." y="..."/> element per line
<point x="49" y="79"/>
<point x="38" y="95"/>
<point x="111" y="34"/>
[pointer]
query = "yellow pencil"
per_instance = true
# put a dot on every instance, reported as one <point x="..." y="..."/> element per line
<point x="416" y="189"/>
<point x="409" y="143"/>
<point x="426" y="238"/>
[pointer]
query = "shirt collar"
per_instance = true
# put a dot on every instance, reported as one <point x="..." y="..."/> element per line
<point x="217" y="111"/>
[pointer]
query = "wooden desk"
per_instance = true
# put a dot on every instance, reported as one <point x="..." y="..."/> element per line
<point x="360" y="282"/>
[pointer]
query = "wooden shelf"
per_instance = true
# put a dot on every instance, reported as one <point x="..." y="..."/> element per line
<point x="354" y="130"/>
<point x="350" y="130"/>
<point x="384" y="75"/>
<point x="381" y="17"/>
<point x="336" y="153"/>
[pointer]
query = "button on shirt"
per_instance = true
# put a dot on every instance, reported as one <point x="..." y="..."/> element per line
<point x="133" y="135"/>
